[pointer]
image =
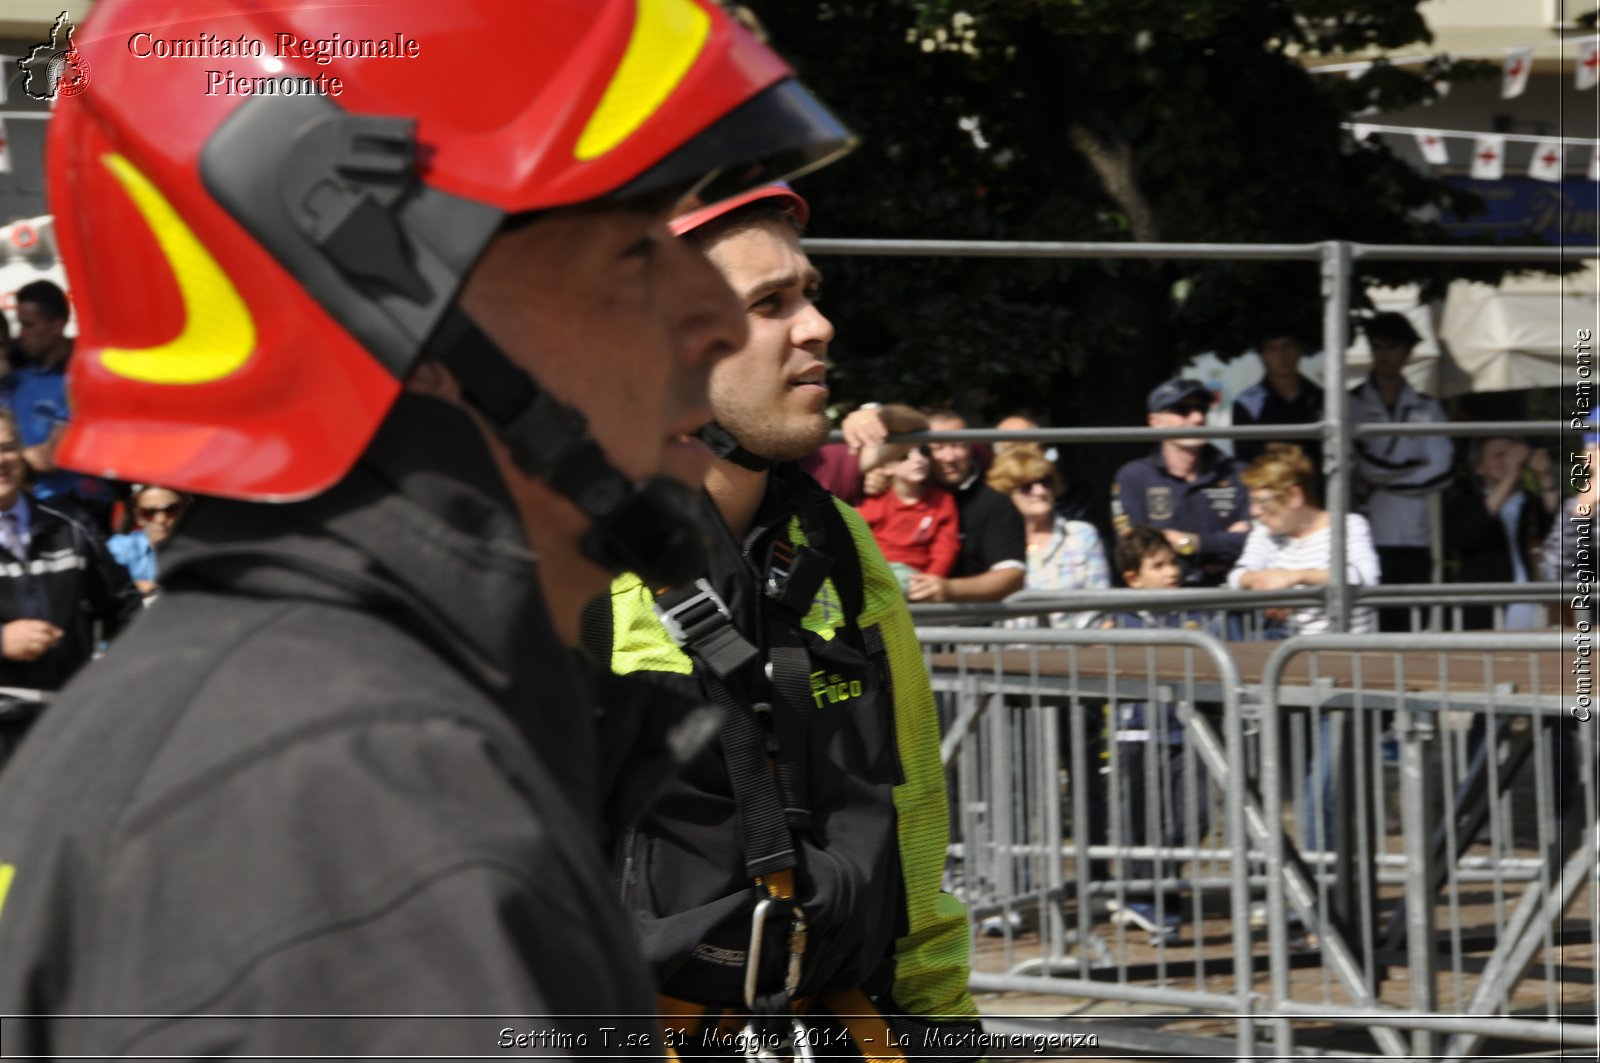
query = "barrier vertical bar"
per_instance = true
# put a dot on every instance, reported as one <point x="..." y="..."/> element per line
<point x="1336" y="264"/>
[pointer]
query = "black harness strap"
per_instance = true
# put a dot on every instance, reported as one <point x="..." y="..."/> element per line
<point x="699" y="623"/>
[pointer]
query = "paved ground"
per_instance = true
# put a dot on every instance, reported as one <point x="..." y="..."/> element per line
<point x="1561" y="981"/>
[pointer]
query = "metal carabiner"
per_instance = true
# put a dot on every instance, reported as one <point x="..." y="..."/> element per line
<point x="752" y="959"/>
<point x="759" y="1048"/>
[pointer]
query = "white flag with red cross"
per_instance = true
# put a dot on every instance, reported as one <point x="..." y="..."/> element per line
<point x="1519" y="61"/>
<point x="1588" y="64"/>
<point x="1431" y="144"/>
<point x="1545" y="164"/>
<point x="1488" y="158"/>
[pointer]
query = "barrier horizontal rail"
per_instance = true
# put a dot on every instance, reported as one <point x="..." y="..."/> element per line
<point x="1114" y="600"/>
<point x="1312" y="252"/>
<point x="1141" y="433"/>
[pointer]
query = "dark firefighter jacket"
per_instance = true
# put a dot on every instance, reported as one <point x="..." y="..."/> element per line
<point x="340" y="768"/>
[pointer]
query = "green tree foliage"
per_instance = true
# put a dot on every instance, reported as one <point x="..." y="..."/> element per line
<point x="1170" y="120"/>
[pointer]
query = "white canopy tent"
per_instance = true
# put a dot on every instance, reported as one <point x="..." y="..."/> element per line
<point x="1482" y="338"/>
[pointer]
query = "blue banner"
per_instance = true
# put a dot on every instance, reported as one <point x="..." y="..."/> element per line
<point x="1561" y="213"/>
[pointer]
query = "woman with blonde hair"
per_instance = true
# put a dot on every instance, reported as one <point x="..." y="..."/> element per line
<point x="1063" y="554"/>
<point x="1291" y="542"/>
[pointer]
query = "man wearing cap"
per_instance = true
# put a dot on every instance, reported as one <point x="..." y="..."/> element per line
<point x="801" y="856"/>
<point x="1394" y="475"/>
<point x="1188" y="490"/>
<point x="432" y="357"/>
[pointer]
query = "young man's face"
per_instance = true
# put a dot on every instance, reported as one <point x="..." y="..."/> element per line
<point x="37" y="332"/>
<point x="1389" y="356"/>
<point x="1158" y="570"/>
<point x="616" y="316"/>
<point x="772" y="395"/>
<point x="1281" y="356"/>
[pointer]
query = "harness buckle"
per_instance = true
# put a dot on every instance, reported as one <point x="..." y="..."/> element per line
<point x="696" y="615"/>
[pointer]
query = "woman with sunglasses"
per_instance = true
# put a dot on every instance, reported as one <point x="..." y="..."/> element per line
<point x="155" y="514"/>
<point x="1063" y="555"/>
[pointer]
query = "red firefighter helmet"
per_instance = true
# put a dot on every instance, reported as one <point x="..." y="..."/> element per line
<point x="778" y="192"/>
<point x="264" y="210"/>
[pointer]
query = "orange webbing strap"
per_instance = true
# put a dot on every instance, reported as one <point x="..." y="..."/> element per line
<point x="779" y="884"/>
<point x="684" y="1018"/>
<point x="866" y="1024"/>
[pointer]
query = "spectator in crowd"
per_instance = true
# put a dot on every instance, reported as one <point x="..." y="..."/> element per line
<point x="1063" y="555"/>
<point x="1282" y="396"/>
<point x="842" y="467"/>
<point x="1187" y="489"/>
<point x="1146" y="561"/>
<point x="1394" y="475"/>
<point x="1074" y="499"/>
<point x="1291" y="543"/>
<point x="36" y="392"/>
<point x="1495" y="524"/>
<point x="156" y="511"/>
<point x="56" y="584"/>
<point x="992" y="563"/>
<point x="436" y="399"/>
<point x="1569" y="549"/>
<point x="914" y="521"/>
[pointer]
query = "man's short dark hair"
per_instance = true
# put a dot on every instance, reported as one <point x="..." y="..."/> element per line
<point x="47" y="296"/>
<point x="1391" y="326"/>
<point x="1142" y="542"/>
<point x="1277" y="330"/>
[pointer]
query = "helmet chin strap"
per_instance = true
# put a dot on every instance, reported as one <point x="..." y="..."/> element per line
<point x="723" y="445"/>
<point x="649" y="528"/>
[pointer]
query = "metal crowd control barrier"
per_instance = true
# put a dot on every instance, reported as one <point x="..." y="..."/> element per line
<point x="1005" y="741"/>
<point x="1495" y="788"/>
<point x="1354" y="898"/>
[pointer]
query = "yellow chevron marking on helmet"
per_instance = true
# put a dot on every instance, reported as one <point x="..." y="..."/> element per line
<point x="218" y="334"/>
<point x="7" y="872"/>
<point x="667" y="38"/>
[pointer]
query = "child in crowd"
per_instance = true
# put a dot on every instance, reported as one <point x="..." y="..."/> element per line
<point x="914" y="521"/>
<point x="1153" y="786"/>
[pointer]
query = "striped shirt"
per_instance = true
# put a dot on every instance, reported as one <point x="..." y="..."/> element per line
<point x="1263" y="550"/>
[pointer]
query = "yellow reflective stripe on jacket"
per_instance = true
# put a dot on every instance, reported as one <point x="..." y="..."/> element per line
<point x="932" y="960"/>
<point x="7" y="873"/>
<point x="638" y="641"/>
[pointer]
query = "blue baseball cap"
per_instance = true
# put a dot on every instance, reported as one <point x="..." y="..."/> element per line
<point x="1176" y="391"/>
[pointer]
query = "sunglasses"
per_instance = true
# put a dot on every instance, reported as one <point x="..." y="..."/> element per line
<point x="1027" y="488"/>
<point x="152" y="512"/>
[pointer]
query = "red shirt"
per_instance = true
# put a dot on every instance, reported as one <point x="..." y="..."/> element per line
<point x="922" y="533"/>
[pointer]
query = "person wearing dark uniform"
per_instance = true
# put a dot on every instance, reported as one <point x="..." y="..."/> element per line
<point x="337" y="794"/>
<point x="1281" y="396"/>
<point x="1188" y="490"/>
<point x="805" y="850"/>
